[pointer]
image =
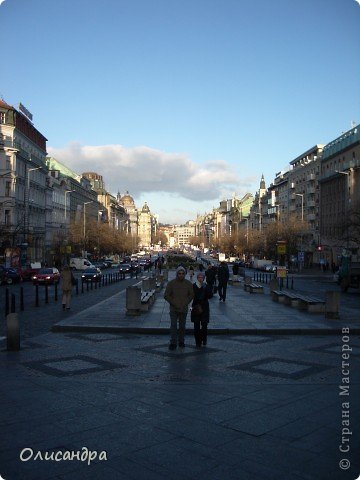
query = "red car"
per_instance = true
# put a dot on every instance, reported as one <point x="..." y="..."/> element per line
<point x="49" y="275"/>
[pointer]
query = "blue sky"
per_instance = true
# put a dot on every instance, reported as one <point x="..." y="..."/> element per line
<point x="182" y="102"/>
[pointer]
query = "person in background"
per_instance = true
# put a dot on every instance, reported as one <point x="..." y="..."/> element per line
<point x="67" y="280"/>
<point x="210" y="276"/>
<point x="235" y="270"/>
<point x="178" y="293"/>
<point x="223" y="278"/>
<point x="200" y="312"/>
<point x="191" y="273"/>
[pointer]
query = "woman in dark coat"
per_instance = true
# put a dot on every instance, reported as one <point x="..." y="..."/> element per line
<point x="200" y="313"/>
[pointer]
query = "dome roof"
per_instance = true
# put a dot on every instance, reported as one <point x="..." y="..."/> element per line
<point x="127" y="199"/>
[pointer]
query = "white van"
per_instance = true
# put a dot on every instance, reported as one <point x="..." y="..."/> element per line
<point x="80" y="264"/>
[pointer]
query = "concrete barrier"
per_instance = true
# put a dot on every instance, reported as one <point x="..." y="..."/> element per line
<point x="13" y="332"/>
<point x="332" y="304"/>
<point x="133" y="301"/>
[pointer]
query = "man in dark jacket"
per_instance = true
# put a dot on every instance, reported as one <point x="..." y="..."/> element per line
<point x="179" y="293"/>
<point x="223" y="278"/>
<point x="210" y="276"/>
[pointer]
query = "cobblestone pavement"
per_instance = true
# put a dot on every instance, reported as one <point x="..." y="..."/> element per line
<point x="244" y="407"/>
<point x="259" y="404"/>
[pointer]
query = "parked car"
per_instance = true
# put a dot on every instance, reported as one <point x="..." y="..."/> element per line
<point x="9" y="275"/>
<point x="46" y="276"/>
<point x="125" y="268"/>
<point x="91" y="275"/>
<point x="28" y="271"/>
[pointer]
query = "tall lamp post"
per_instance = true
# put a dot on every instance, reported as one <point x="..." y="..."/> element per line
<point x="85" y="203"/>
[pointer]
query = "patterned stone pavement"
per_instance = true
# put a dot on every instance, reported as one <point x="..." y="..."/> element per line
<point x="262" y="400"/>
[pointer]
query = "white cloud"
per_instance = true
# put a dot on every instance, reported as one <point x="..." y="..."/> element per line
<point x="142" y="170"/>
<point x="2" y="1"/>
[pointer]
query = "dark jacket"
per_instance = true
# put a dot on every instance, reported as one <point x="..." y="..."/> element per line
<point x="201" y="297"/>
<point x="210" y="275"/>
<point x="235" y="269"/>
<point x="179" y="294"/>
<point x="223" y="273"/>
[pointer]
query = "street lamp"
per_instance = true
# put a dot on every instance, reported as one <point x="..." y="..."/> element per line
<point x="85" y="203"/>
<point x="247" y="230"/>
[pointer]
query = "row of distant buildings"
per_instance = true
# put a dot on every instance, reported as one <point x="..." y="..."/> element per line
<point x="320" y="189"/>
<point x="40" y="197"/>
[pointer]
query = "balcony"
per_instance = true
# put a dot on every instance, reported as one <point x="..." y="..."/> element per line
<point x="311" y="203"/>
<point x="311" y="177"/>
<point x="311" y="217"/>
<point x="310" y="190"/>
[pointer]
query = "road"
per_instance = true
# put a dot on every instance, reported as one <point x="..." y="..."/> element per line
<point x="38" y="320"/>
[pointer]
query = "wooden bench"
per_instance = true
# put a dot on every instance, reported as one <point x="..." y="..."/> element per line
<point x="311" y="304"/>
<point x="147" y="299"/>
<point x="278" y="296"/>
<point x="303" y="302"/>
<point x="253" y="288"/>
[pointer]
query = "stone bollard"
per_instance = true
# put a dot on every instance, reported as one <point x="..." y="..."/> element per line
<point x="133" y="301"/>
<point x="13" y="332"/>
<point x="152" y="283"/>
<point x="332" y="304"/>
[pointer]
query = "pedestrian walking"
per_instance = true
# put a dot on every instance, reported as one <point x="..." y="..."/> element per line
<point x="191" y="273"/>
<point x="200" y="312"/>
<point x="235" y="271"/>
<point x="210" y="276"/>
<point x="178" y="293"/>
<point x="67" y="281"/>
<point x="223" y="278"/>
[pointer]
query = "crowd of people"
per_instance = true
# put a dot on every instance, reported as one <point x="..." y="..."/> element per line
<point x="181" y="292"/>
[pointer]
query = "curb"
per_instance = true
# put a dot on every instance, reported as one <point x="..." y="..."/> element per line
<point x="219" y="331"/>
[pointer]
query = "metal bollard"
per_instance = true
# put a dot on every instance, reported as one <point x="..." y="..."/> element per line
<point x="56" y="292"/>
<point x="292" y="283"/>
<point x="77" y="287"/>
<point x="46" y="293"/>
<point x="87" y="286"/>
<point x="36" y="295"/>
<point x="287" y="282"/>
<point x="96" y="282"/>
<point x="12" y="309"/>
<point x="12" y="332"/>
<point x="7" y="302"/>
<point x="91" y="283"/>
<point x="22" y="299"/>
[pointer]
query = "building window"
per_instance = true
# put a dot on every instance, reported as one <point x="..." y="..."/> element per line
<point x="7" y="189"/>
<point x="7" y="218"/>
<point x="2" y="118"/>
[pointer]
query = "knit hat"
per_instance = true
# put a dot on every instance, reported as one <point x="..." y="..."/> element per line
<point x="179" y="269"/>
<point x="200" y="274"/>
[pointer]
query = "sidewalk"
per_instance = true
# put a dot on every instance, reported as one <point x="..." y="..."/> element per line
<point x="242" y="313"/>
<point x="245" y="407"/>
